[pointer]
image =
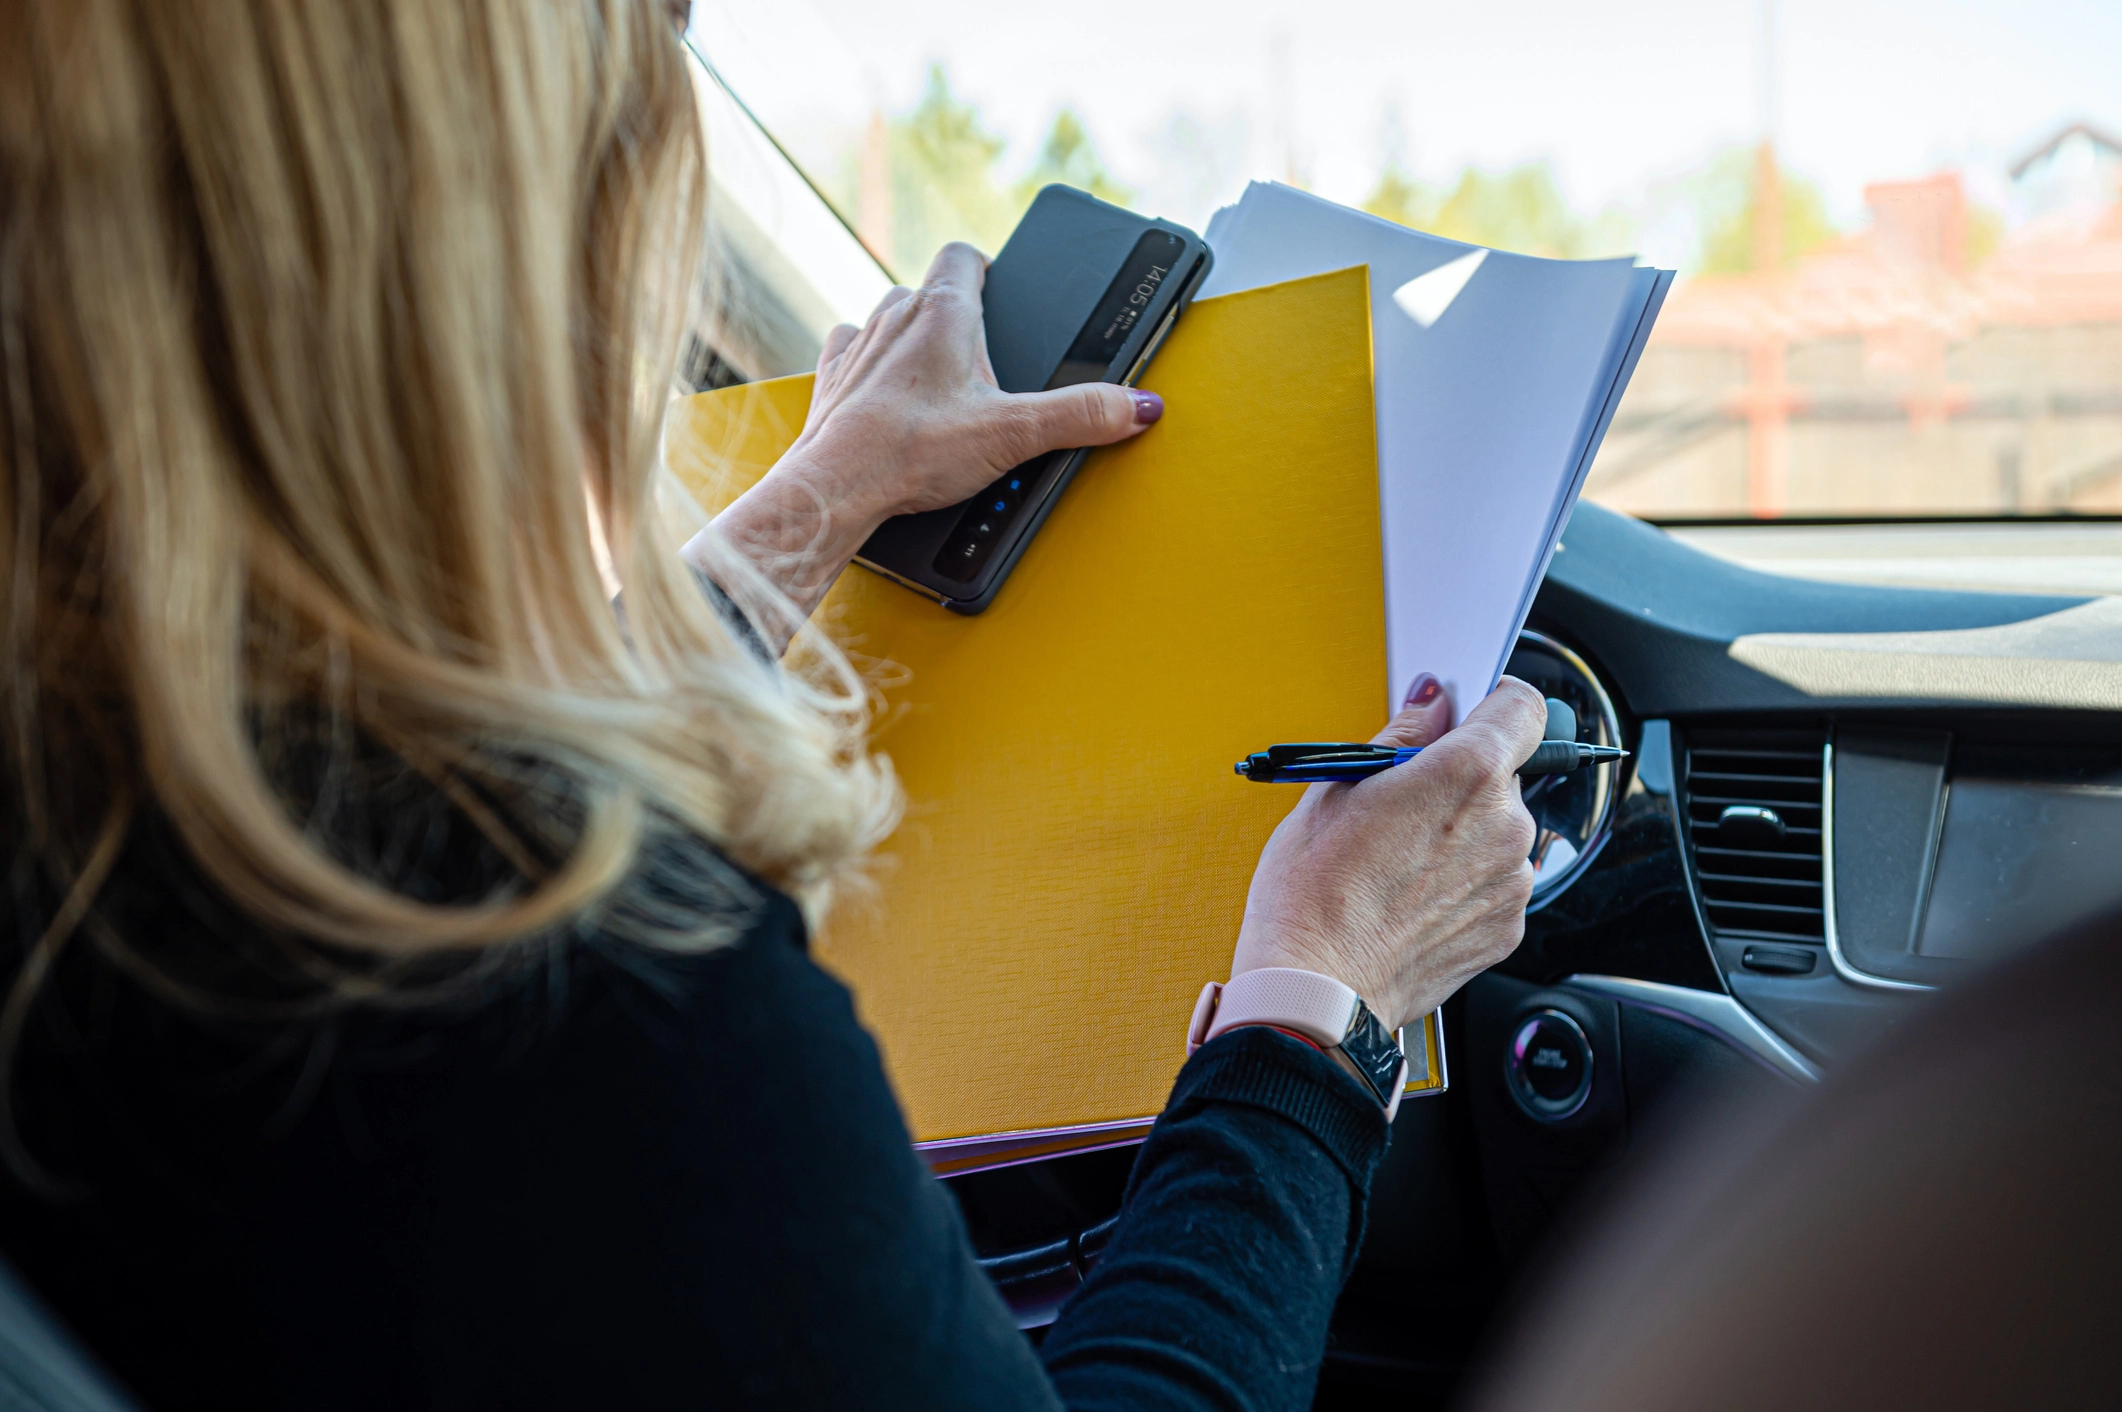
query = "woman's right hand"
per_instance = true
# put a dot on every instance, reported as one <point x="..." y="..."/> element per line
<point x="1406" y="884"/>
<point x="904" y="416"/>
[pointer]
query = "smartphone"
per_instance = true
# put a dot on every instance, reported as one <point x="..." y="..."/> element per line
<point x="1082" y="292"/>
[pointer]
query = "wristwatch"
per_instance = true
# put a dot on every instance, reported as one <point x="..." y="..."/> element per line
<point x="1317" y="1009"/>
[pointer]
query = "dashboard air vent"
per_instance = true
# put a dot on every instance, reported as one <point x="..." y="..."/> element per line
<point x="1753" y="824"/>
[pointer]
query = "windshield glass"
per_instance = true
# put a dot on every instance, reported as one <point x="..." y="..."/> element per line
<point x="1896" y="221"/>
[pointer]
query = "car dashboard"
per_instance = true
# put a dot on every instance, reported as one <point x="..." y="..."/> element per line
<point x="1840" y="798"/>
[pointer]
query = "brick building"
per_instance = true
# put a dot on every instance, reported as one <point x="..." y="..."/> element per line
<point x="1890" y="372"/>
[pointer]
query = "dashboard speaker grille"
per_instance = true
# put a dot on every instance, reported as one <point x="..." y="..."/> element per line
<point x="1753" y="825"/>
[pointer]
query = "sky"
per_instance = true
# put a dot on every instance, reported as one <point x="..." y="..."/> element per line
<point x="1617" y="97"/>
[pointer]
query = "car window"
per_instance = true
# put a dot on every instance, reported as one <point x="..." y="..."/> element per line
<point x="782" y="266"/>
<point x="1898" y="222"/>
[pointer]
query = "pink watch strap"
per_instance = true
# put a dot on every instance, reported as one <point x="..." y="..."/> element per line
<point x="1305" y="1003"/>
<point x="1317" y="1007"/>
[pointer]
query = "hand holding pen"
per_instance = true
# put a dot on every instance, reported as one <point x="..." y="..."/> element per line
<point x="1323" y="762"/>
<point x="1405" y="887"/>
<point x="1320" y="763"/>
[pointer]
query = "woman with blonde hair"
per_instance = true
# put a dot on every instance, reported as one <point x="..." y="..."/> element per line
<point x="408" y="999"/>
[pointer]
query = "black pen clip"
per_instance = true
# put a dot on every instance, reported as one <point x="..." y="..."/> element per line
<point x="1317" y="751"/>
<point x="1263" y="766"/>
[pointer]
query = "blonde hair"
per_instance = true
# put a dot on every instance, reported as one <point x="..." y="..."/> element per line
<point x="327" y="327"/>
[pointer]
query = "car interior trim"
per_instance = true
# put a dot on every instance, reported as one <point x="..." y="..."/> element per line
<point x="1659" y="753"/>
<point x="956" y="1156"/>
<point x="2066" y="660"/>
<point x="1719" y="1014"/>
<point x="1835" y="954"/>
<point x="1666" y="622"/>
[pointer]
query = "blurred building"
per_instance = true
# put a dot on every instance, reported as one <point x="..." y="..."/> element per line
<point x="1897" y="371"/>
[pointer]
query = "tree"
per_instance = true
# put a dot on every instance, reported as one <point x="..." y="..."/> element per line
<point x="1985" y="232"/>
<point x="1727" y="196"/>
<point x="1521" y="210"/>
<point x="1399" y="197"/>
<point x="1070" y="157"/>
<point x="934" y="175"/>
<point x="943" y="181"/>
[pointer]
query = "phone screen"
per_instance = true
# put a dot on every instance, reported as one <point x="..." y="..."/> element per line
<point x="1126" y="300"/>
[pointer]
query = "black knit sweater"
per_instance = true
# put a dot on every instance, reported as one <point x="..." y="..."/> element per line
<point x="596" y="1175"/>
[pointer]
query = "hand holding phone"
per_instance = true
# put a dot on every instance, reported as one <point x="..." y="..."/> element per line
<point x="905" y="416"/>
<point x="1082" y="292"/>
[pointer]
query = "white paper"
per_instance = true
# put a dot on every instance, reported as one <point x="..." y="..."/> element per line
<point x="1486" y="411"/>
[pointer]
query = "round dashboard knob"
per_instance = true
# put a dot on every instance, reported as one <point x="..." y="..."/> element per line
<point x="1549" y="1066"/>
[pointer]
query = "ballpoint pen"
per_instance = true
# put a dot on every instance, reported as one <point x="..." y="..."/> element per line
<point x="1326" y="761"/>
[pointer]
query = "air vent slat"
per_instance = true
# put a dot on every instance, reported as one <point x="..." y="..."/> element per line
<point x="1756" y="882"/>
<point x="1741" y="905"/>
<point x="1798" y="865"/>
<point x="1790" y="831"/>
<point x="1762" y="934"/>
<point x="1754" y="755"/>
<point x="1723" y="786"/>
<point x="1743" y="880"/>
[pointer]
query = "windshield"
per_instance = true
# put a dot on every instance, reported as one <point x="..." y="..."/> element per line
<point x="1898" y="222"/>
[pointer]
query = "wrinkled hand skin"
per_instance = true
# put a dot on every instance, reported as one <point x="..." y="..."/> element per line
<point x="907" y="411"/>
<point x="1406" y="884"/>
<point x="905" y="415"/>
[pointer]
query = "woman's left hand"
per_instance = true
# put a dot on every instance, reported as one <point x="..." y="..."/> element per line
<point x="906" y="416"/>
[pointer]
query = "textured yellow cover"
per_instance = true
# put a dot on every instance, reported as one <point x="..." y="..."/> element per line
<point x="1076" y="853"/>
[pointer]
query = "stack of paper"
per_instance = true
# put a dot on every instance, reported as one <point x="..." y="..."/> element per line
<point x="1496" y="376"/>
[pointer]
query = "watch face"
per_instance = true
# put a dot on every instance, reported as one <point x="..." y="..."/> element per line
<point x="1371" y="1046"/>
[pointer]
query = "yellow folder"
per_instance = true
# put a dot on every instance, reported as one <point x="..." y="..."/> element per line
<point x="1076" y="851"/>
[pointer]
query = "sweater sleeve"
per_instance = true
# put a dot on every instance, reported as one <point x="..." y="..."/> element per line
<point x="1240" y="1225"/>
<point x="706" y="1184"/>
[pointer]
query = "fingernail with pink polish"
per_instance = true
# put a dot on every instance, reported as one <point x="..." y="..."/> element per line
<point x="1148" y="407"/>
<point x="1424" y="690"/>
